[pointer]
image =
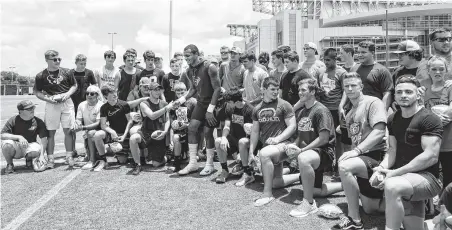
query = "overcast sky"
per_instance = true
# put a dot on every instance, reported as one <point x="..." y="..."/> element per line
<point x="29" y="28"/>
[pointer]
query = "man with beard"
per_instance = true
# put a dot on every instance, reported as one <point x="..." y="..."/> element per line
<point x="441" y="42"/>
<point x="204" y="82"/>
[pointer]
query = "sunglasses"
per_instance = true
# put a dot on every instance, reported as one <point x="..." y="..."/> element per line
<point x="443" y="39"/>
<point x="91" y="94"/>
<point x="55" y="59"/>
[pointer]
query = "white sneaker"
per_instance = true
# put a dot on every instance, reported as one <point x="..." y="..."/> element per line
<point x="244" y="180"/>
<point x="207" y="170"/>
<point x="88" y="166"/>
<point x="100" y="166"/>
<point x="304" y="209"/>
<point x="190" y="168"/>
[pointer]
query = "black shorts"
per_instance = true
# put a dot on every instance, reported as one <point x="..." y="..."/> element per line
<point x="345" y="139"/>
<point x="233" y="144"/>
<point x="156" y="148"/>
<point x="335" y="114"/>
<point x="372" y="160"/>
<point x="199" y="112"/>
<point x="326" y="161"/>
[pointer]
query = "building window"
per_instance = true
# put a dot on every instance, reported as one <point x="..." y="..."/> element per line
<point x="279" y="38"/>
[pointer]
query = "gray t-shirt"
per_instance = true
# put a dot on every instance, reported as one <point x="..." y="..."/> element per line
<point x="331" y="83"/>
<point x="231" y="77"/>
<point x="252" y="83"/>
<point x="362" y="118"/>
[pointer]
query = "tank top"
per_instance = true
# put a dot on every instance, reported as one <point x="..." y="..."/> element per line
<point x="201" y="80"/>
<point x="126" y="84"/>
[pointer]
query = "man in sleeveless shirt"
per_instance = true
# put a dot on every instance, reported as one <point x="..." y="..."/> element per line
<point x="106" y="74"/>
<point x="205" y="83"/>
<point x="127" y="79"/>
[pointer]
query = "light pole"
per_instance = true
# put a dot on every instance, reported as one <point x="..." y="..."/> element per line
<point x="11" y="69"/>
<point x="112" y="34"/>
<point x="171" y="29"/>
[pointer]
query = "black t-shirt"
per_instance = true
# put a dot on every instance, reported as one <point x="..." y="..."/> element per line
<point x="168" y="85"/>
<point x="84" y="79"/>
<point x="28" y="129"/>
<point x="116" y="115"/>
<point x="310" y="122"/>
<point x="238" y="117"/>
<point x="54" y="82"/>
<point x="376" y="79"/>
<point x="156" y="75"/>
<point x="289" y="85"/>
<point x="150" y="125"/>
<point x="183" y="112"/>
<point x="408" y="133"/>
<point x="126" y="82"/>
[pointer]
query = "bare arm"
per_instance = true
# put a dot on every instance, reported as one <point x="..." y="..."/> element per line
<point x="136" y="102"/>
<point x="9" y="136"/>
<point x="215" y="81"/>
<point x="375" y="137"/>
<point x="43" y="97"/>
<point x="104" y="126"/>
<point x="387" y="99"/>
<point x="289" y="131"/>
<point x="167" y="123"/>
<point x="91" y="126"/>
<point x="254" y="137"/>
<point x="153" y="114"/>
<point x="227" y="127"/>
<point x="390" y="156"/>
<point x="129" y="125"/>
<point x="320" y="141"/>
<point x="431" y="146"/>
<point x="117" y="79"/>
<point x="44" y="142"/>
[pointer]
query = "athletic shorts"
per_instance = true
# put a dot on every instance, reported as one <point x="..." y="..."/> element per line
<point x="156" y="148"/>
<point x="199" y="112"/>
<point x="345" y="139"/>
<point x="325" y="162"/>
<point x="233" y="144"/>
<point x="372" y="160"/>
<point x="335" y="114"/>
<point x="20" y="152"/>
<point x="59" y="113"/>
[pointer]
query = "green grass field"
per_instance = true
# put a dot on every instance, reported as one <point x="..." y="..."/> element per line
<point x="114" y="199"/>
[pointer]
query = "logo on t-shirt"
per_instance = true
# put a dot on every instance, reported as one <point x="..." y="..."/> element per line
<point x="327" y="84"/>
<point x="32" y="128"/>
<point x="172" y="82"/>
<point x="153" y="78"/>
<point x="196" y="80"/>
<point x="355" y="132"/>
<point x="54" y="80"/>
<point x="238" y="119"/>
<point x="181" y="114"/>
<point x="267" y="115"/>
<point x="110" y="113"/>
<point x="305" y="124"/>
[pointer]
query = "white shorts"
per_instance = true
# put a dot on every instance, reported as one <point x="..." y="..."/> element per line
<point x="61" y="112"/>
<point x="21" y="152"/>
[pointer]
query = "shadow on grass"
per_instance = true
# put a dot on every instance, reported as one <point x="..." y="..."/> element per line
<point x="370" y="221"/>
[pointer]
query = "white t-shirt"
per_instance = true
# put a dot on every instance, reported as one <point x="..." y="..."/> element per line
<point x="105" y="76"/>
<point x="252" y="82"/>
<point x="89" y="114"/>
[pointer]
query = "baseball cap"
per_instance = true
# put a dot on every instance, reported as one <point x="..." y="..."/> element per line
<point x="236" y="49"/>
<point x="311" y="45"/>
<point x="406" y="46"/>
<point x="26" y="104"/>
<point x="155" y="85"/>
<point x="213" y="60"/>
<point x="145" y="81"/>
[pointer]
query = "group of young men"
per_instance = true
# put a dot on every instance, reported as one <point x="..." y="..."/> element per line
<point x="290" y="122"/>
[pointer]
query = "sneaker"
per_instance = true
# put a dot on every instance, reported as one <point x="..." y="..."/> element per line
<point x="207" y="170"/>
<point x="159" y="164"/>
<point x="222" y="177"/>
<point x="9" y="169"/>
<point x="136" y="170"/>
<point x="244" y="180"/>
<point x="100" y="166"/>
<point x="28" y="162"/>
<point x="190" y="168"/>
<point x="88" y="166"/>
<point x="237" y="170"/>
<point x="70" y="161"/>
<point x="304" y="209"/>
<point x="348" y="223"/>
<point x="81" y="159"/>
<point x="50" y="164"/>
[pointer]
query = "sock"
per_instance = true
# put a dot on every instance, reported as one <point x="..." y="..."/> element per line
<point x="357" y="221"/>
<point x="210" y="153"/>
<point x="69" y="153"/>
<point x="247" y="170"/>
<point x="177" y="160"/>
<point x="193" y="152"/>
<point x="103" y="158"/>
<point x="224" y="166"/>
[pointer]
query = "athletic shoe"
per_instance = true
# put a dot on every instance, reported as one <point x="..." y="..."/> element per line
<point x="9" y="169"/>
<point x="304" y="209"/>
<point x="237" y="170"/>
<point x="190" y="168"/>
<point x="88" y="166"/>
<point x="159" y="164"/>
<point x="136" y="170"/>
<point x="70" y="161"/>
<point x="100" y="166"/>
<point x="50" y="164"/>
<point x="244" y="180"/>
<point x="263" y="201"/>
<point x="348" y="223"/>
<point x="207" y="170"/>
<point x="222" y="177"/>
<point x="28" y="162"/>
<point x="82" y="158"/>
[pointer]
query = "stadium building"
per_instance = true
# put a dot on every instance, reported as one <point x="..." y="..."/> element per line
<point x="332" y="23"/>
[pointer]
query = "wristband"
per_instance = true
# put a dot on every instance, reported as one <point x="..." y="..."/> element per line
<point x="83" y="127"/>
<point x="210" y="108"/>
<point x="182" y="100"/>
<point x="226" y="127"/>
<point x="358" y="150"/>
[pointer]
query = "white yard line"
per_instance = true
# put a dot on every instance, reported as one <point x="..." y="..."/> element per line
<point x="25" y="215"/>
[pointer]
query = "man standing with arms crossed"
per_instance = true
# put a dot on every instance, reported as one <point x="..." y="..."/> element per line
<point x="204" y="80"/>
<point x="55" y="85"/>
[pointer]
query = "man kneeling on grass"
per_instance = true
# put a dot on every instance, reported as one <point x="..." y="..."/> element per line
<point x="273" y="124"/>
<point x="155" y="117"/>
<point x="316" y="138"/>
<point x="19" y="136"/>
